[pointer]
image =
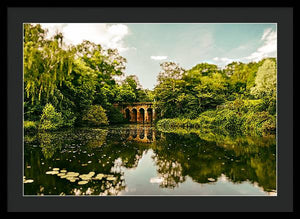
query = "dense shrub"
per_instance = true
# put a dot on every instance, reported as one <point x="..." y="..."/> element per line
<point x="269" y="126"/>
<point x="50" y="119"/>
<point x="96" y="116"/>
<point x="228" y="120"/>
<point x="260" y="123"/>
<point x="115" y="116"/>
<point x="30" y="126"/>
<point x="68" y="119"/>
<point x="206" y="119"/>
<point x="270" y="104"/>
<point x="244" y="105"/>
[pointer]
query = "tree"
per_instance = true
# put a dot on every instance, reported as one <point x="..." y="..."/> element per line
<point x="71" y="78"/>
<point x="125" y="94"/>
<point x="96" y="116"/>
<point x="168" y="89"/>
<point x="266" y="79"/>
<point x="204" y="69"/>
<point x="211" y="91"/>
<point x="46" y="63"/>
<point x="265" y="85"/>
<point x="50" y="119"/>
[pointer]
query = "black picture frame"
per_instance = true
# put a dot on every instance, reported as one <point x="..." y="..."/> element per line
<point x="17" y="14"/>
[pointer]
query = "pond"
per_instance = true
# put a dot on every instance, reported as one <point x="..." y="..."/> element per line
<point x="142" y="160"/>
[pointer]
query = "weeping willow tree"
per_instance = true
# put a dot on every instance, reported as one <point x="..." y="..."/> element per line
<point x="72" y="78"/>
<point x="46" y="62"/>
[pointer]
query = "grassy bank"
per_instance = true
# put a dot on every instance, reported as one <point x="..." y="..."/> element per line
<point x="236" y="117"/>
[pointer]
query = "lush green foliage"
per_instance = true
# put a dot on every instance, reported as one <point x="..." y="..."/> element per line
<point x="115" y="116"/>
<point x="266" y="79"/>
<point x="95" y="115"/>
<point x="131" y="91"/>
<point x="30" y="126"/>
<point x="241" y="98"/>
<point x="187" y="93"/>
<point x="50" y="119"/>
<point x="235" y="117"/>
<point x="73" y="78"/>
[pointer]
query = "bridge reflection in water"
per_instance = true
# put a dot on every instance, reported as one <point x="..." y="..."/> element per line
<point x="143" y="134"/>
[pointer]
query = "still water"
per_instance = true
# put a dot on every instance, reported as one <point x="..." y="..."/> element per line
<point x="141" y="160"/>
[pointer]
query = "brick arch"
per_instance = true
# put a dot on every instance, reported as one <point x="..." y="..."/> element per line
<point x="142" y="113"/>
<point x="149" y="113"/>
<point x="133" y="115"/>
<point x="127" y="115"/>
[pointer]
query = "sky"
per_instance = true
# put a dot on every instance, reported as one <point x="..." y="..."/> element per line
<point x="147" y="45"/>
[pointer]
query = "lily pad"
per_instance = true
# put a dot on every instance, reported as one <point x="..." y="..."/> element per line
<point x="55" y="169"/>
<point x="28" y="181"/>
<point x="111" y="178"/>
<point x="82" y="182"/>
<point x="97" y="178"/>
<point x="72" y="174"/>
<point x="86" y="178"/>
<point x="91" y="173"/>
<point x="52" y="172"/>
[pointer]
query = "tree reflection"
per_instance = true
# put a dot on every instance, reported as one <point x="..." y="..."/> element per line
<point x="48" y="144"/>
<point x="240" y="159"/>
<point x="170" y="172"/>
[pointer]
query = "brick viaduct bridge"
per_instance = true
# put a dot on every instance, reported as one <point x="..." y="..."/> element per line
<point x="138" y="112"/>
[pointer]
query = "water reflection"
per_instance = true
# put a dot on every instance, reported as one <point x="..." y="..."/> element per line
<point x="141" y="133"/>
<point x="138" y="159"/>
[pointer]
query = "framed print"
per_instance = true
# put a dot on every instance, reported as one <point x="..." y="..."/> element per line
<point x="139" y="109"/>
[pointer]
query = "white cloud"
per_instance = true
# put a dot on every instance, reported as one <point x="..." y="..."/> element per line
<point x="223" y="61"/>
<point x="268" y="48"/>
<point x="108" y="35"/>
<point x="266" y="32"/>
<point x="159" y="57"/>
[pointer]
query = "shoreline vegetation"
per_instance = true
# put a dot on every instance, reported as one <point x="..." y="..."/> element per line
<point x="237" y="117"/>
<point x="76" y="86"/>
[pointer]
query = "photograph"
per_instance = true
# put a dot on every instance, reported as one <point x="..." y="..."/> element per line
<point x="149" y="109"/>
